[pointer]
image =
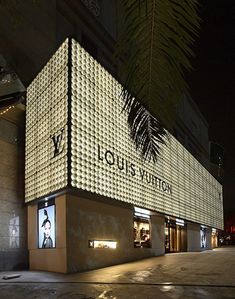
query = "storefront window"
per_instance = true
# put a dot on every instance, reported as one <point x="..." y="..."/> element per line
<point x="167" y="239"/>
<point x="141" y="233"/>
<point x="141" y="228"/>
<point x="214" y="238"/>
<point x="108" y="244"/>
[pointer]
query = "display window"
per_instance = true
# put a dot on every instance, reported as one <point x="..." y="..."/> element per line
<point x="46" y="225"/>
<point x="167" y="238"/>
<point x="214" y="238"/>
<point x="141" y="233"/>
<point x="108" y="244"/>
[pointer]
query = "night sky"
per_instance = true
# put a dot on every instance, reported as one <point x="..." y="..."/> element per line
<point x="213" y="83"/>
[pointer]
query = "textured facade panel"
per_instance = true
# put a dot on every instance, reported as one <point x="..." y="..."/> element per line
<point x="105" y="161"/>
<point x="103" y="157"/>
<point x="47" y="128"/>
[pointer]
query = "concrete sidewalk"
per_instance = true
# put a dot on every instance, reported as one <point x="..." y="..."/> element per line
<point x="213" y="267"/>
<point x="208" y="274"/>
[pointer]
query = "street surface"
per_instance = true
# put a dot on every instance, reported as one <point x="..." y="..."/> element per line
<point x="209" y="274"/>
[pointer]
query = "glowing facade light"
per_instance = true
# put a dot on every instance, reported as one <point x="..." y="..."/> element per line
<point x="139" y="212"/>
<point x="142" y="211"/>
<point x="179" y="222"/>
<point x="77" y="134"/>
<point x="6" y="110"/>
<point x="47" y="129"/>
<point x="214" y="231"/>
<point x="142" y="215"/>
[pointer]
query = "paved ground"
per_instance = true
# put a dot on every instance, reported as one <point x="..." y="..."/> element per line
<point x="209" y="274"/>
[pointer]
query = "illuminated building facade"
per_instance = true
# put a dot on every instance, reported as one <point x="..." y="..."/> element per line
<point x="94" y="26"/>
<point x="88" y="190"/>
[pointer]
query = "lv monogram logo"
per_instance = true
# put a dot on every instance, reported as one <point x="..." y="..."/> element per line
<point x="57" y="139"/>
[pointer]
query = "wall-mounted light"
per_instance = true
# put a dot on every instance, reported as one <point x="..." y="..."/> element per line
<point x="179" y="222"/>
<point x="139" y="212"/>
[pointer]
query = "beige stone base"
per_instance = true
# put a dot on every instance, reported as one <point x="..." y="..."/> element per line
<point x="79" y="220"/>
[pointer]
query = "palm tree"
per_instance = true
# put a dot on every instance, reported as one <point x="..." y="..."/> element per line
<point x="154" y="49"/>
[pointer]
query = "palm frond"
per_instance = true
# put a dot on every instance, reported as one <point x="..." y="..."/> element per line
<point x="154" y="47"/>
<point x="146" y="131"/>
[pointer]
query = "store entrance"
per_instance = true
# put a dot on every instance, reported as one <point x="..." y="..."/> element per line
<point x="175" y="237"/>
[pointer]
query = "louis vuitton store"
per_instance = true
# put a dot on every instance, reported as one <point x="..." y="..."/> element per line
<point x="92" y="200"/>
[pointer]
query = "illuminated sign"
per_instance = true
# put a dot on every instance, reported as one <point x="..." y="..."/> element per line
<point x="46" y="227"/>
<point x="58" y="142"/>
<point x="203" y="237"/>
<point x="131" y="169"/>
<point x="77" y="135"/>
